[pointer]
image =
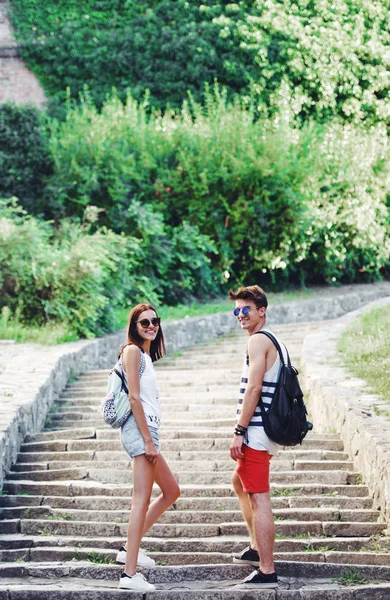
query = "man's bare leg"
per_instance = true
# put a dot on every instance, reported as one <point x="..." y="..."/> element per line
<point x="246" y="508"/>
<point x="264" y="530"/>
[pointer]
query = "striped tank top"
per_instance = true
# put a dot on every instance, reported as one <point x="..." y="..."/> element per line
<point x="256" y="437"/>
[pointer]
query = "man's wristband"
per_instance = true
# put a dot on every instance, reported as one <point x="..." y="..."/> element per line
<point x="240" y="430"/>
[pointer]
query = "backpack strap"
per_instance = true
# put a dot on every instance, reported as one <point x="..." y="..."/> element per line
<point x="122" y="378"/>
<point x="121" y="373"/>
<point x="277" y="346"/>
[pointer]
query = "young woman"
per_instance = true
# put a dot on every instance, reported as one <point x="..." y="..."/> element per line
<point x="140" y="439"/>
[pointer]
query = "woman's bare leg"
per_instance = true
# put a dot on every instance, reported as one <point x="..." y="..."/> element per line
<point x="170" y="492"/>
<point x="143" y="478"/>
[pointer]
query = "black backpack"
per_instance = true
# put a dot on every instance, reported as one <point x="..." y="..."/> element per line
<point x="285" y="420"/>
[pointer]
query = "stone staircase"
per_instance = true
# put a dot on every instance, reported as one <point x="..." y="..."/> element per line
<point x="65" y="504"/>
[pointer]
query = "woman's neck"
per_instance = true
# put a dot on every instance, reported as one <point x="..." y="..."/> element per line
<point x="146" y="346"/>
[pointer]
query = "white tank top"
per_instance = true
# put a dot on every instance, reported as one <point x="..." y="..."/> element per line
<point x="256" y="437"/>
<point x="149" y="394"/>
<point x="148" y="389"/>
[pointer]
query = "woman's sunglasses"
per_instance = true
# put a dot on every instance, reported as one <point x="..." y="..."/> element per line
<point x="244" y="311"/>
<point x="145" y="322"/>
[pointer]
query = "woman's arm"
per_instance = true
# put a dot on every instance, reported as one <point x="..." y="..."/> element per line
<point x="131" y="362"/>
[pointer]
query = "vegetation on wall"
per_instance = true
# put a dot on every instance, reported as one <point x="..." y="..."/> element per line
<point x="325" y="57"/>
<point x="25" y="160"/>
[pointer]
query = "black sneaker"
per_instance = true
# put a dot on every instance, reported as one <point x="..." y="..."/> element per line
<point x="261" y="580"/>
<point x="248" y="556"/>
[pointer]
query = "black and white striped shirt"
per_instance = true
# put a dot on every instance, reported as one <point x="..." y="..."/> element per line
<point x="256" y="437"/>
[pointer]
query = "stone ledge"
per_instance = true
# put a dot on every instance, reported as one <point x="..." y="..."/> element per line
<point x="32" y="377"/>
<point x="340" y="401"/>
<point x="9" y="52"/>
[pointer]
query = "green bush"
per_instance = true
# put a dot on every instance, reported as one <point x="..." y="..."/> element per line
<point x="25" y="160"/>
<point x="349" y="232"/>
<point x="67" y="276"/>
<point x="325" y="58"/>
<point x="280" y="203"/>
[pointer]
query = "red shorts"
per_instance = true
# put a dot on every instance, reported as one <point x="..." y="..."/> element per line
<point x="253" y="470"/>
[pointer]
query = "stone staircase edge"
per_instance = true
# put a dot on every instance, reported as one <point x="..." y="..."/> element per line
<point x="340" y="402"/>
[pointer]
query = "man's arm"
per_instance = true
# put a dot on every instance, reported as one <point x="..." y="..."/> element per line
<point x="258" y="347"/>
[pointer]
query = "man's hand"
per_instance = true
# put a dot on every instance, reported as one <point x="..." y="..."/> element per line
<point x="236" y="447"/>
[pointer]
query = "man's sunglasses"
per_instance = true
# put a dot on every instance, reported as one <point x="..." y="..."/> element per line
<point x="244" y="310"/>
<point x="145" y="322"/>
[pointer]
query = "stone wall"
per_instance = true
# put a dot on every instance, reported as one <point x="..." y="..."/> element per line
<point x="17" y="83"/>
<point x="32" y="377"/>
<point x="339" y="402"/>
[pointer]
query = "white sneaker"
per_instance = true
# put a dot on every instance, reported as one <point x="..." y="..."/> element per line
<point x="143" y="561"/>
<point x="137" y="582"/>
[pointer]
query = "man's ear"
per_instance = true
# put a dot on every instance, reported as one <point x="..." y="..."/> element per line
<point x="262" y="310"/>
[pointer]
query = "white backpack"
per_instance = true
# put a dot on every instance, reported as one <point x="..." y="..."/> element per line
<point x="115" y="407"/>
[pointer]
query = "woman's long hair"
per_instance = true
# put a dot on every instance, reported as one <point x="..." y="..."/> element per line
<point x="157" y="347"/>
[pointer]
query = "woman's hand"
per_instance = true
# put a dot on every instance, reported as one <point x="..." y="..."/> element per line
<point x="150" y="452"/>
<point x="236" y="447"/>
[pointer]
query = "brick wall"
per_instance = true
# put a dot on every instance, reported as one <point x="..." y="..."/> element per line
<point x="17" y="83"/>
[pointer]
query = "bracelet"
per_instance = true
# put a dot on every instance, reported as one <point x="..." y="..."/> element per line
<point x="240" y="430"/>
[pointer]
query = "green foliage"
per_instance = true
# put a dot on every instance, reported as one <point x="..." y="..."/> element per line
<point x="25" y="160"/>
<point x="351" y="576"/>
<point x="69" y="275"/>
<point x="365" y="347"/>
<point x="281" y="204"/>
<point x="324" y="58"/>
<point x="94" y="557"/>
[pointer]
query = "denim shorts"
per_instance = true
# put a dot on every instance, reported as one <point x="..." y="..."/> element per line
<point x="132" y="440"/>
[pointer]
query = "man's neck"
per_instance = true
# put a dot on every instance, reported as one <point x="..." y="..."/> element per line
<point x="258" y="327"/>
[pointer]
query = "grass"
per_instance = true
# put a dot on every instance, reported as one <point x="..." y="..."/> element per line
<point x="48" y="335"/>
<point x="57" y="517"/>
<point x="94" y="557"/>
<point x="51" y="334"/>
<point x="311" y="548"/>
<point x="284" y="492"/>
<point x="350" y="576"/>
<point x="365" y="350"/>
<point x="223" y="304"/>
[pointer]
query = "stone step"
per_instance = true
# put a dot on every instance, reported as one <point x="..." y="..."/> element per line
<point x="110" y="475"/>
<point x="219" y="544"/>
<point x="209" y="423"/>
<point x="62" y="554"/>
<point x="178" y="445"/>
<point x="183" y="503"/>
<point x="197" y="590"/>
<point x="195" y="515"/>
<point x="290" y="528"/>
<point x="180" y="465"/>
<point x="89" y="488"/>
<point x="186" y="456"/>
<point x="191" y="573"/>
<point x="91" y="411"/>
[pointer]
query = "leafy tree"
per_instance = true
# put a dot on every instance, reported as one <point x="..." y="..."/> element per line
<point x="25" y="160"/>
<point x="322" y="57"/>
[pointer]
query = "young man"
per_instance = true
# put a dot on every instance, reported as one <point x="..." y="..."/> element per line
<point x="250" y="447"/>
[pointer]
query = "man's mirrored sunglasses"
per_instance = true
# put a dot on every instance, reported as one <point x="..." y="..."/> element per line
<point x="145" y="323"/>
<point x="244" y="311"/>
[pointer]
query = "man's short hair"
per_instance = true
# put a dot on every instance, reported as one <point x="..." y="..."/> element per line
<point x="250" y="292"/>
